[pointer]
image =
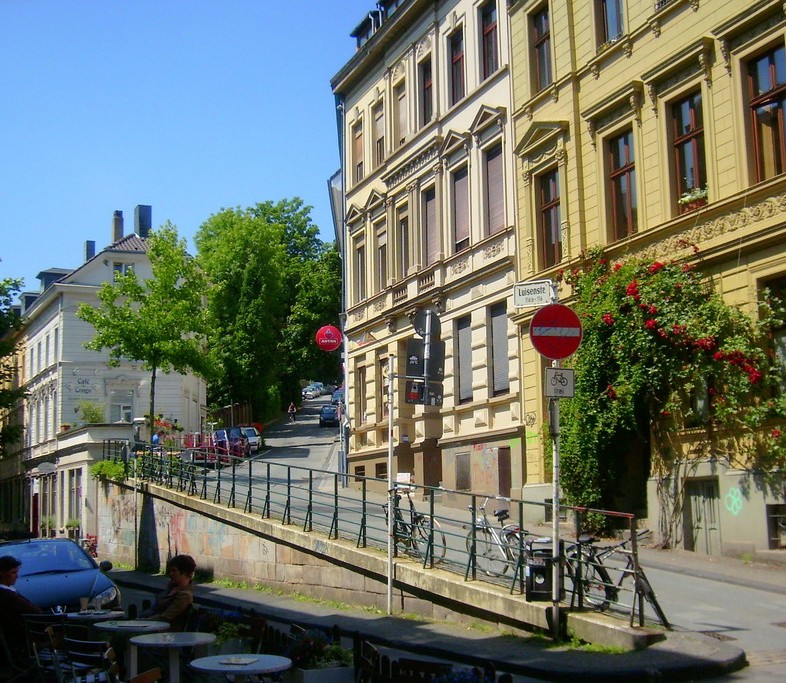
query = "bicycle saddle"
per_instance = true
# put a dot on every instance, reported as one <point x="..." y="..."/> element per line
<point x="501" y="515"/>
<point x="586" y="539"/>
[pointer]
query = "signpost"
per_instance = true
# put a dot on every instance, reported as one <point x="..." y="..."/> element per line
<point x="532" y="293"/>
<point x="555" y="332"/>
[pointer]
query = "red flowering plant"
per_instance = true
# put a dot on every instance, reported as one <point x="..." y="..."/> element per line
<point x="664" y="355"/>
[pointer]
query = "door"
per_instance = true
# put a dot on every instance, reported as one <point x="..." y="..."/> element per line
<point x="702" y="516"/>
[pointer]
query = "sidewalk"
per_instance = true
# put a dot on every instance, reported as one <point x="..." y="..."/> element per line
<point x="682" y="656"/>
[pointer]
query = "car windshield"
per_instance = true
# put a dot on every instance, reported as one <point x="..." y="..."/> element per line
<point x="44" y="557"/>
<point x="250" y="432"/>
<point x="329" y="410"/>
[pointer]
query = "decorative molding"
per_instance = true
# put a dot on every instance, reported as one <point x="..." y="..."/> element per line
<point x="459" y="266"/>
<point x="529" y="265"/>
<point x="414" y="165"/>
<point x="493" y="250"/>
<point x="655" y="27"/>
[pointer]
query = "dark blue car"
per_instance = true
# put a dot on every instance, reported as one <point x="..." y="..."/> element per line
<point x="56" y="572"/>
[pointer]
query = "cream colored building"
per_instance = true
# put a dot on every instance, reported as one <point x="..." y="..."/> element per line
<point x="646" y="127"/>
<point x="429" y="216"/>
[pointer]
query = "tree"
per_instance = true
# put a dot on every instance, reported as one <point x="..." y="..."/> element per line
<point x="10" y="392"/>
<point x="662" y="353"/>
<point x="161" y="321"/>
<point x="259" y="261"/>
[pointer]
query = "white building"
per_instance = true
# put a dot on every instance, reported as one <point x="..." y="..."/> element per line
<point x="60" y="374"/>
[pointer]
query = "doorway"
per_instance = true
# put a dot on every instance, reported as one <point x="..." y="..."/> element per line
<point x="701" y="516"/>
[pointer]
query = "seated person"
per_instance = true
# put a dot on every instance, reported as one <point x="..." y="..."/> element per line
<point x="12" y="607"/>
<point x="174" y="604"/>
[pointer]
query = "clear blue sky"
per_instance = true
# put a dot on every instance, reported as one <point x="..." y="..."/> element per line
<point x="190" y="106"/>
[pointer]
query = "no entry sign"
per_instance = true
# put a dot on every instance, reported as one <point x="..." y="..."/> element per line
<point x="555" y="331"/>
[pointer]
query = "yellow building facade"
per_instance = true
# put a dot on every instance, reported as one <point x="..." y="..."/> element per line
<point x="646" y="128"/>
<point x="429" y="225"/>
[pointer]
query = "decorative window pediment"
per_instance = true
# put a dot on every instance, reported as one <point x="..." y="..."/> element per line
<point x="355" y="217"/>
<point x="695" y="59"/>
<point x="455" y="142"/>
<point x="622" y="104"/>
<point x="540" y="135"/>
<point x="487" y="117"/>
<point x="748" y="26"/>
<point x="375" y="202"/>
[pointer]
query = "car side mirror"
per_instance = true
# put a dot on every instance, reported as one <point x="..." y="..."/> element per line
<point x="105" y="566"/>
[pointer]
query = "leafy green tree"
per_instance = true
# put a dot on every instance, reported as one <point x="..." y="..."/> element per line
<point x="263" y="262"/>
<point x="160" y="321"/>
<point x="10" y="393"/>
<point x="661" y="353"/>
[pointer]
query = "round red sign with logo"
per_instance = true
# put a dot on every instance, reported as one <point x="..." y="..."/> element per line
<point x="328" y="337"/>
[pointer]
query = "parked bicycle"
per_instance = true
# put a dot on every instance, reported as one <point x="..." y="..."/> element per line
<point x="494" y="551"/>
<point x="413" y="537"/>
<point x="592" y="581"/>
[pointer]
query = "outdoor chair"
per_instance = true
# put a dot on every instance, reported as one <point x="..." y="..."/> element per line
<point x="88" y="660"/>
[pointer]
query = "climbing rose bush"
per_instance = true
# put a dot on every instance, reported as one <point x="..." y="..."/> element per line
<point x="662" y="353"/>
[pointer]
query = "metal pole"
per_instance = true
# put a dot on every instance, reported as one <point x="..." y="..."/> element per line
<point x="391" y="488"/>
<point x="555" y="554"/>
<point x="136" y="517"/>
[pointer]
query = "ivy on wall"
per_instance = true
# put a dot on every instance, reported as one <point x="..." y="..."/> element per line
<point x="665" y="362"/>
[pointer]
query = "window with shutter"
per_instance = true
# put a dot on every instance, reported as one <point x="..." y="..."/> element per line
<point x="460" y="210"/>
<point x="495" y="191"/>
<point x="430" y="233"/>
<point x="464" y="359"/>
<point x="500" y="364"/>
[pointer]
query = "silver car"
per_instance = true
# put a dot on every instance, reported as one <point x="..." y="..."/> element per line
<point x="254" y="438"/>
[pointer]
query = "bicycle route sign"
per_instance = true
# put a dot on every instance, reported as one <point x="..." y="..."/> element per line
<point x="555" y="331"/>
<point x="559" y="383"/>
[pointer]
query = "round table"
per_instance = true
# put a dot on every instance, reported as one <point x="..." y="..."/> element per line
<point x="174" y="642"/>
<point x="128" y="628"/>
<point x="91" y="616"/>
<point x="242" y="665"/>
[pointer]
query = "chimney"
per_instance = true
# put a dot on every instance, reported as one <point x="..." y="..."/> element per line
<point x="117" y="226"/>
<point x="143" y="217"/>
<point x="90" y="249"/>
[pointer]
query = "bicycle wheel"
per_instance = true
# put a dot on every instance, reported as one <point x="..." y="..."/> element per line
<point x="511" y="540"/>
<point x="423" y="533"/>
<point x="489" y="556"/>
<point x="596" y="585"/>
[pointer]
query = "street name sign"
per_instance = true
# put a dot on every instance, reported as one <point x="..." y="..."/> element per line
<point x="555" y="331"/>
<point x="532" y="294"/>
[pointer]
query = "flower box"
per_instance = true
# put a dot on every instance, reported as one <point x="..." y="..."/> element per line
<point x="693" y="205"/>
<point x="330" y="674"/>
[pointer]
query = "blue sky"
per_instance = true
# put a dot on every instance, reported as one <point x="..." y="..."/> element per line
<point x="190" y="106"/>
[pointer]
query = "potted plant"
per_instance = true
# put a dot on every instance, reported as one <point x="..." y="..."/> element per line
<point x="108" y="470"/>
<point x="48" y="526"/>
<point x="72" y="527"/>
<point x="692" y="199"/>
<point x="316" y="658"/>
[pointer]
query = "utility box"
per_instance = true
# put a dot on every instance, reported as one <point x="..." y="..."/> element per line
<point x="539" y="569"/>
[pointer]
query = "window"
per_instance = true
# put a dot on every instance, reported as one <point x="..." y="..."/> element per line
<point x="688" y="136"/>
<point x="402" y="221"/>
<point x="494" y="191"/>
<point x="400" y="119"/>
<point x="488" y="23"/>
<point x="382" y="259"/>
<point x="41" y="359"/>
<point x="777" y="289"/>
<point x="500" y="365"/>
<point x="121" y="406"/>
<point x="47" y="357"/>
<point x="609" y="21"/>
<point x="456" y="51"/>
<point x="622" y="182"/>
<point x="460" y="201"/>
<point x="357" y="151"/>
<point x="430" y="235"/>
<point x="426" y="92"/>
<point x="122" y="268"/>
<point x="360" y="396"/>
<point x="75" y="493"/>
<point x="767" y="89"/>
<point x="550" y="223"/>
<point x="379" y="133"/>
<point x="541" y="48"/>
<point x="360" y="271"/>
<point x="464" y="358"/>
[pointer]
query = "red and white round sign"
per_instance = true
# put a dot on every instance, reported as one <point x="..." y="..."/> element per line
<point x="555" y="331"/>
<point x="328" y="337"/>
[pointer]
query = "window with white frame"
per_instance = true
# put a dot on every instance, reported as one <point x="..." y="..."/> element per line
<point x="463" y="357"/>
<point x="494" y="190"/>
<point x="460" y="208"/>
<point x="400" y="128"/>
<point x="121" y="406"/>
<point x="500" y="363"/>
<point x="357" y="151"/>
<point x="429" y="225"/>
<point x="488" y="39"/>
<point x="426" y="89"/>
<point x="360" y="270"/>
<point x="382" y="257"/>
<point x="378" y="115"/>
<point x="456" y="54"/>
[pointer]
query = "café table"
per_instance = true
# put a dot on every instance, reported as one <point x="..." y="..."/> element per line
<point x="174" y="642"/>
<point x="128" y="628"/>
<point x="91" y="616"/>
<point x="241" y="666"/>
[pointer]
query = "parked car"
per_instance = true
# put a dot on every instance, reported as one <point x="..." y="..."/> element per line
<point x="312" y="391"/>
<point x="328" y="416"/>
<point x="254" y="438"/>
<point x="338" y="397"/>
<point x="56" y="572"/>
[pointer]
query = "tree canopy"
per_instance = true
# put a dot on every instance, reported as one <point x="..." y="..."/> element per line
<point x="10" y="391"/>
<point x="159" y="321"/>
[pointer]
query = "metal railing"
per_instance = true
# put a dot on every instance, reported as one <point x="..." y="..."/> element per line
<point x="350" y="507"/>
